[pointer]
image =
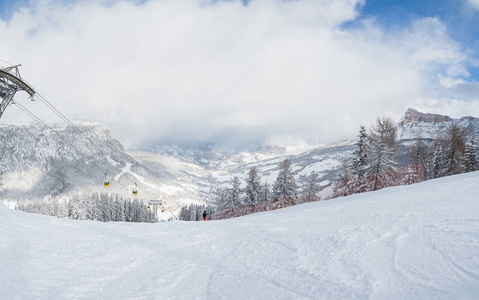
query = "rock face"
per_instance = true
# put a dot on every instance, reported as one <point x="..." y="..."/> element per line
<point x="429" y="126"/>
<point x="414" y="116"/>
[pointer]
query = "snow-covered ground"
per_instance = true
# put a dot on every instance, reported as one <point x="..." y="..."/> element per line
<point x="412" y="242"/>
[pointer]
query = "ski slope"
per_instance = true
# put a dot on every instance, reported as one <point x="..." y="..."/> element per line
<point x="411" y="242"/>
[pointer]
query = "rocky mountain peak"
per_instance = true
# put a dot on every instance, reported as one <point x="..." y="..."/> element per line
<point x="414" y="116"/>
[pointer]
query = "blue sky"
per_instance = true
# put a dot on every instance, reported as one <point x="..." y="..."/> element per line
<point x="234" y="71"/>
<point x="8" y="7"/>
<point x="459" y="17"/>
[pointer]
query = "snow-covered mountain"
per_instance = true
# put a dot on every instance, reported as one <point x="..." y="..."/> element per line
<point x="428" y="126"/>
<point x="411" y="242"/>
<point x="208" y="169"/>
<point x="42" y="164"/>
<point x="39" y="163"/>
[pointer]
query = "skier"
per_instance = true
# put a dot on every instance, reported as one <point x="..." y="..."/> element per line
<point x="204" y="215"/>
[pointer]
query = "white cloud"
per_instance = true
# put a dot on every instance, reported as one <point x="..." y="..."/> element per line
<point x="474" y="3"/>
<point x="201" y="70"/>
<point x="449" y="82"/>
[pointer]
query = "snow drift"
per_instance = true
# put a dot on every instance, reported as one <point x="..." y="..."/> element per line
<point x="409" y="242"/>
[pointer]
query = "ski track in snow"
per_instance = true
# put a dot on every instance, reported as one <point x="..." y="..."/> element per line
<point x="412" y="242"/>
<point x="127" y="169"/>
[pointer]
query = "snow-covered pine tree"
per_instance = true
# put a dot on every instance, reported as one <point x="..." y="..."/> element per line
<point x="135" y="206"/>
<point x="117" y="207"/>
<point x="360" y="157"/>
<point x="144" y="213"/>
<point x="89" y="207"/>
<point x="77" y="208"/>
<point x="411" y="176"/>
<point x="284" y="189"/>
<point x="471" y="162"/>
<point x="253" y="186"/>
<point x="184" y="214"/>
<point x="121" y="209"/>
<point x="382" y="153"/>
<point x="61" y="208"/>
<point x="222" y="199"/>
<point x="266" y="195"/>
<point x="97" y="210"/>
<point x="128" y="210"/>
<point x="105" y="207"/>
<point x="437" y="164"/>
<point x="235" y="192"/>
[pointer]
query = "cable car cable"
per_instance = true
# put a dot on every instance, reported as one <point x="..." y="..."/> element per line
<point x="55" y="110"/>
<point x="72" y="144"/>
<point x="33" y="116"/>
<point x="62" y="116"/>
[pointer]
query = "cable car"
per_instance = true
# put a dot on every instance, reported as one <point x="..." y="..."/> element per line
<point x="106" y="183"/>
<point x="135" y="191"/>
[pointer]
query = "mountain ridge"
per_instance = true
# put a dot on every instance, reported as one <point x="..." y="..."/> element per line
<point x="38" y="164"/>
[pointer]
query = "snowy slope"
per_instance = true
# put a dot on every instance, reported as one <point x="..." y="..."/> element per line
<point x="409" y="242"/>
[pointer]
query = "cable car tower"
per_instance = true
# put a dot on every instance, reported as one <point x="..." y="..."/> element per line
<point x="10" y="83"/>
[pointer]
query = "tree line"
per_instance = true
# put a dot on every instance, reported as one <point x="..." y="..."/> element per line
<point x="374" y="164"/>
<point x="257" y="196"/>
<point x="97" y="207"/>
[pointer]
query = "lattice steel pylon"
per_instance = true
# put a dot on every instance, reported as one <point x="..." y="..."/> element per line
<point x="10" y="83"/>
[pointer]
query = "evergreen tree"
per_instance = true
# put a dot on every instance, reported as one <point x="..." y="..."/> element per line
<point x="359" y="162"/>
<point x="411" y="176"/>
<point x="222" y="199"/>
<point x="89" y="208"/>
<point x="135" y="206"/>
<point x="471" y="163"/>
<point x="128" y="210"/>
<point x="77" y="208"/>
<point x="121" y="209"/>
<point x="235" y="192"/>
<point x="96" y="208"/>
<point x="105" y="207"/>
<point x="284" y="188"/>
<point x="184" y="214"/>
<point x="253" y="186"/>
<point x="266" y="192"/>
<point x="144" y="214"/>
<point x="437" y="163"/>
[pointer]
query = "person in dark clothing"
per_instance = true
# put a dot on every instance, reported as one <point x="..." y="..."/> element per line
<point x="204" y="215"/>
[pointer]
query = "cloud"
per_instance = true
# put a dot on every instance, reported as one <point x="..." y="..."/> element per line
<point x="225" y="72"/>
<point x="474" y="3"/>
